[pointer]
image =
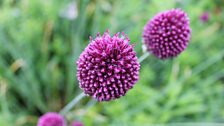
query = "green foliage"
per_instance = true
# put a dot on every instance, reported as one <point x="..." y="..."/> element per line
<point x="39" y="47"/>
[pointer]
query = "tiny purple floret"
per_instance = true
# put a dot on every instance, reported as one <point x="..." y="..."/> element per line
<point x="51" y="119"/>
<point x="108" y="67"/>
<point x="167" y="34"/>
<point x="204" y="17"/>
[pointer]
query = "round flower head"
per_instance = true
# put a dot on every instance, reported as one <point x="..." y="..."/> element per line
<point x="108" y="67"/>
<point x="204" y="17"/>
<point x="51" y="119"/>
<point x="167" y="34"/>
<point x="77" y="123"/>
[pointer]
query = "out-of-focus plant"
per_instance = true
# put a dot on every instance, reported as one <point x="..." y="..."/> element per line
<point x="38" y="48"/>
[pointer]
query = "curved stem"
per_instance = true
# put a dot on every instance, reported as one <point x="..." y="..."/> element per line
<point x="71" y="104"/>
<point x="90" y="104"/>
<point x="143" y="57"/>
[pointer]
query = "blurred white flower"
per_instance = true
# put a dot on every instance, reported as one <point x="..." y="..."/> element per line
<point x="144" y="48"/>
<point x="70" y="12"/>
<point x="106" y="6"/>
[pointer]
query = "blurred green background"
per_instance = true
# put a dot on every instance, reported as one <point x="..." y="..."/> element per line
<point x="40" y="41"/>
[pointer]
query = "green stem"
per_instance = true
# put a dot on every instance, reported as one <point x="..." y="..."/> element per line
<point x="71" y="104"/>
<point x="143" y="57"/>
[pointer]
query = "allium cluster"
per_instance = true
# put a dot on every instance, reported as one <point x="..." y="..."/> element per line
<point x="77" y="123"/>
<point x="167" y="34"/>
<point x="108" y="67"/>
<point x="51" y="119"/>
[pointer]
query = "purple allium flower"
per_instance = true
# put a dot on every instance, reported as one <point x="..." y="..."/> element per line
<point x="77" y="123"/>
<point x="108" y="67"/>
<point x="167" y="34"/>
<point x="51" y="119"/>
<point x="204" y="17"/>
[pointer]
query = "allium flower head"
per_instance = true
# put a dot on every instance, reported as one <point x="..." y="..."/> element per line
<point x="77" y="123"/>
<point x="204" y="17"/>
<point x="167" y="34"/>
<point x="108" y="67"/>
<point x="51" y="119"/>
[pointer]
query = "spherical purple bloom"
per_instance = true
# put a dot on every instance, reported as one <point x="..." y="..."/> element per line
<point x="51" y="119"/>
<point x="167" y="34"/>
<point x="204" y="17"/>
<point x="108" y="67"/>
<point x="77" y="123"/>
